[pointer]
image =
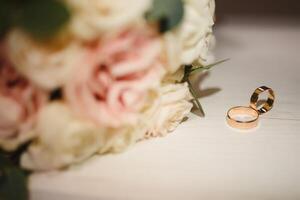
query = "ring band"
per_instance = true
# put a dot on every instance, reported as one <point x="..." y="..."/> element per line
<point x="242" y="124"/>
<point x="253" y="111"/>
<point x="268" y="105"/>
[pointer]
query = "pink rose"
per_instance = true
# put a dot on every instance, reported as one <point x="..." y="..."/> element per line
<point x="112" y="84"/>
<point x="19" y="103"/>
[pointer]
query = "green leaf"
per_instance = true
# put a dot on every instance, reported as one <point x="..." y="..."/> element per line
<point x="187" y="72"/>
<point x="198" y="67"/>
<point x="4" y="16"/>
<point x="42" y="18"/>
<point x="13" y="181"/>
<point x="168" y="13"/>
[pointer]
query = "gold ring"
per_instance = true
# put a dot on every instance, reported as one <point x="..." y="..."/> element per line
<point x="242" y="117"/>
<point x="268" y="105"/>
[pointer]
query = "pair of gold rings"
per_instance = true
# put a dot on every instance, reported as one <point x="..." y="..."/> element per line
<point x="246" y="117"/>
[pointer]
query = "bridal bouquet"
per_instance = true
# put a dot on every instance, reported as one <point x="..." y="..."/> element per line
<point x="79" y="78"/>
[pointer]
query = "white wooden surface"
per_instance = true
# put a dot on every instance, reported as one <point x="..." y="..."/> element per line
<point x="203" y="158"/>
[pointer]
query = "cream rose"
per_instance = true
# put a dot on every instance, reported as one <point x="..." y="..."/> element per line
<point x="62" y="139"/>
<point x="92" y="18"/>
<point x="112" y="84"/>
<point x="174" y="106"/>
<point x="193" y="39"/>
<point x="19" y="105"/>
<point x="47" y="65"/>
<point x="119" y="139"/>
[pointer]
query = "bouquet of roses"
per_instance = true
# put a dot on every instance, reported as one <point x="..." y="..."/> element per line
<point x="79" y="78"/>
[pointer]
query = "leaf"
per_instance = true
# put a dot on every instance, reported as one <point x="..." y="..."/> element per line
<point x="168" y="13"/>
<point x="187" y="72"/>
<point x="42" y="18"/>
<point x="207" y="67"/>
<point x="196" y="100"/>
<point x="13" y="181"/>
<point x="4" y="16"/>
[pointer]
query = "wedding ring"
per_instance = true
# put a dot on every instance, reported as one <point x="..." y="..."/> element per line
<point x="243" y="117"/>
<point x="268" y="105"/>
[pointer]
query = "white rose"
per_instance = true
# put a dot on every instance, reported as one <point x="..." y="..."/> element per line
<point x="175" y="77"/>
<point x="193" y="39"/>
<point x="92" y="18"/>
<point x="173" y="108"/>
<point x="196" y="29"/>
<point x="117" y="140"/>
<point x="46" y="65"/>
<point x="62" y="139"/>
<point x="172" y="52"/>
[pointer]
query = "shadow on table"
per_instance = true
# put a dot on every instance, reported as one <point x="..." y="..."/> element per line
<point x="197" y="81"/>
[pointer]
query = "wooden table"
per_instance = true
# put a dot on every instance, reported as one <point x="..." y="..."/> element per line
<point x="204" y="158"/>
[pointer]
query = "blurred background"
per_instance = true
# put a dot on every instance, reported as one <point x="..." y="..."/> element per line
<point x="258" y="35"/>
<point x="249" y="25"/>
<point x="261" y="8"/>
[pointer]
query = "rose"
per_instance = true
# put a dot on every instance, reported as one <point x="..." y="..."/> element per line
<point x="193" y="39"/>
<point x="114" y="82"/>
<point x="92" y="18"/>
<point x="19" y="104"/>
<point x="119" y="139"/>
<point x="173" y="108"/>
<point x="196" y="30"/>
<point x="64" y="139"/>
<point x="46" y="64"/>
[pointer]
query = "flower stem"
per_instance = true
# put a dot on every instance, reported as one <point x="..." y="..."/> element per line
<point x="196" y="100"/>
